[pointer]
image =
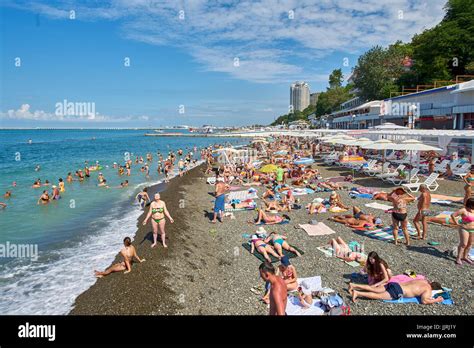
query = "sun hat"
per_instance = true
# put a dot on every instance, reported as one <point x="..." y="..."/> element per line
<point x="254" y="237"/>
<point x="261" y="230"/>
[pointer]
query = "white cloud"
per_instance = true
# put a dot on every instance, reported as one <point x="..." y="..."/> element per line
<point x="259" y="33"/>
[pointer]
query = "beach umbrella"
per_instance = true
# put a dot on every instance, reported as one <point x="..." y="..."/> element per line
<point x="359" y="142"/>
<point x="415" y="145"/>
<point x="382" y="144"/>
<point x="269" y="168"/>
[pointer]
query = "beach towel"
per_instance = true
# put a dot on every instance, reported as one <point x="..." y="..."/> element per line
<point x="378" y="206"/>
<point x="386" y="233"/>
<point x="446" y="198"/>
<point x="273" y="258"/>
<point x="441" y="201"/>
<point x="417" y="300"/>
<point x="403" y="278"/>
<point x="294" y="307"/>
<point x="355" y="195"/>
<point x="319" y="229"/>
<point x="329" y="252"/>
<point x="337" y="210"/>
<point x="302" y="191"/>
<point x="283" y="222"/>
<point x="229" y="208"/>
<point x="242" y="195"/>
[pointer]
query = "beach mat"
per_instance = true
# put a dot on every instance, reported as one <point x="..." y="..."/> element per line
<point x="386" y="233"/>
<point x="319" y="229"/>
<point x="241" y="195"/>
<point x="273" y="258"/>
<point x="417" y="300"/>
<point x="378" y="206"/>
<point x="293" y="307"/>
<point x="284" y="222"/>
<point x="446" y="198"/>
<point x="302" y="191"/>
<point x="329" y="252"/>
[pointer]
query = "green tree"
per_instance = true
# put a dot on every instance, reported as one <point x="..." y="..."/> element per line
<point x="335" y="79"/>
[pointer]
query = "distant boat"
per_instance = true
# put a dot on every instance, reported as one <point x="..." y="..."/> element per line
<point x="158" y="131"/>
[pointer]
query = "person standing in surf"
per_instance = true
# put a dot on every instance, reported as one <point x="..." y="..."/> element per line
<point x="157" y="213"/>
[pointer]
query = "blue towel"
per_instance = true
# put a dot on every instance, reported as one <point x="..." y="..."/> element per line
<point x="417" y="300"/>
<point x="280" y="223"/>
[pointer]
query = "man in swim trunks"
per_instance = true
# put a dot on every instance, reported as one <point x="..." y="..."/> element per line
<point x="278" y="292"/>
<point x="219" y="204"/>
<point x="424" y="202"/>
<point x="395" y="291"/>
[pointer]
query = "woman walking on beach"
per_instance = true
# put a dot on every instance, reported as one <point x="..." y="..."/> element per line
<point x="466" y="231"/>
<point x="469" y="181"/>
<point x="158" y="212"/>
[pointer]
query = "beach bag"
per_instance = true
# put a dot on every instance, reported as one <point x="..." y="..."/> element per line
<point x="332" y="301"/>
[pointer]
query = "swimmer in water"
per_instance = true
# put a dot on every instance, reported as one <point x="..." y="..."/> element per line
<point x="61" y="185"/>
<point x="37" y="168"/>
<point x="44" y="199"/>
<point x="36" y="184"/>
<point x="128" y="253"/>
<point x="3" y="205"/>
<point x="7" y="194"/>
<point x="103" y="184"/>
<point x="69" y="177"/>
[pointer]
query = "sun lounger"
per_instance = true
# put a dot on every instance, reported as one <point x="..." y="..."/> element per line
<point x="430" y="182"/>
<point x="411" y="178"/>
<point x="373" y="172"/>
<point x="391" y="174"/>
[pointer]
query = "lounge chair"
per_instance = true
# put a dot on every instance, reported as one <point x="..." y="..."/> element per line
<point x="412" y="178"/>
<point x="463" y="170"/>
<point x="390" y="174"/>
<point x="375" y="171"/>
<point x="430" y="182"/>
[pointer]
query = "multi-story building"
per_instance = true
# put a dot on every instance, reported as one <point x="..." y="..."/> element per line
<point x="313" y="98"/>
<point x="299" y="95"/>
<point x="448" y="107"/>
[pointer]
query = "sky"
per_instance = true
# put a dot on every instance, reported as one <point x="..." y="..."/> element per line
<point x="152" y="63"/>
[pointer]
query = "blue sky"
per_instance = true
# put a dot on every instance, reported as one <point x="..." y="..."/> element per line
<point x="222" y="63"/>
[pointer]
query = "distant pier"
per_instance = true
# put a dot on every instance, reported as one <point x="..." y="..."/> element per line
<point x="198" y="135"/>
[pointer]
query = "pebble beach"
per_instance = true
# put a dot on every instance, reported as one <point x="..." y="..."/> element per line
<point x="206" y="271"/>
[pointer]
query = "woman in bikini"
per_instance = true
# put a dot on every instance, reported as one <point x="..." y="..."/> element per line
<point x="399" y="217"/>
<point x="469" y="181"/>
<point x="263" y="248"/>
<point x="157" y="213"/>
<point x="466" y="231"/>
<point x="268" y="219"/>
<point x="345" y="252"/>
<point x="128" y="253"/>
<point x="279" y="243"/>
<point x="44" y="198"/>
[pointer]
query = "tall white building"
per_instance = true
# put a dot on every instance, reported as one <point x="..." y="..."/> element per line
<point x="299" y="95"/>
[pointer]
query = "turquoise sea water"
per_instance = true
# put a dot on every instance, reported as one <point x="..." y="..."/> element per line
<point x="82" y="231"/>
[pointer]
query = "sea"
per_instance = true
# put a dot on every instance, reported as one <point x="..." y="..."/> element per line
<point x="48" y="252"/>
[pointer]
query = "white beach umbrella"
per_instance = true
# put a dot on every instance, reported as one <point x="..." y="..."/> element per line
<point x="382" y="144"/>
<point x="415" y="145"/>
<point x="359" y="142"/>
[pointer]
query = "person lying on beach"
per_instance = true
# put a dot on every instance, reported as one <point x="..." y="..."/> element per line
<point x="269" y="219"/>
<point x="44" y="198"/>
<point x="352" y="222"/>
<point x="279" y="243"/>
<point x="128" y="253"/>
<point x="273" y="206"/>
<point x="400" y="191"/>
<point x="263" y="248"/>
<point x="346" y="252"/>
<point x="336" y="201"/>
<point x="394" y="291"/>
<point x="316" y="206"/>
